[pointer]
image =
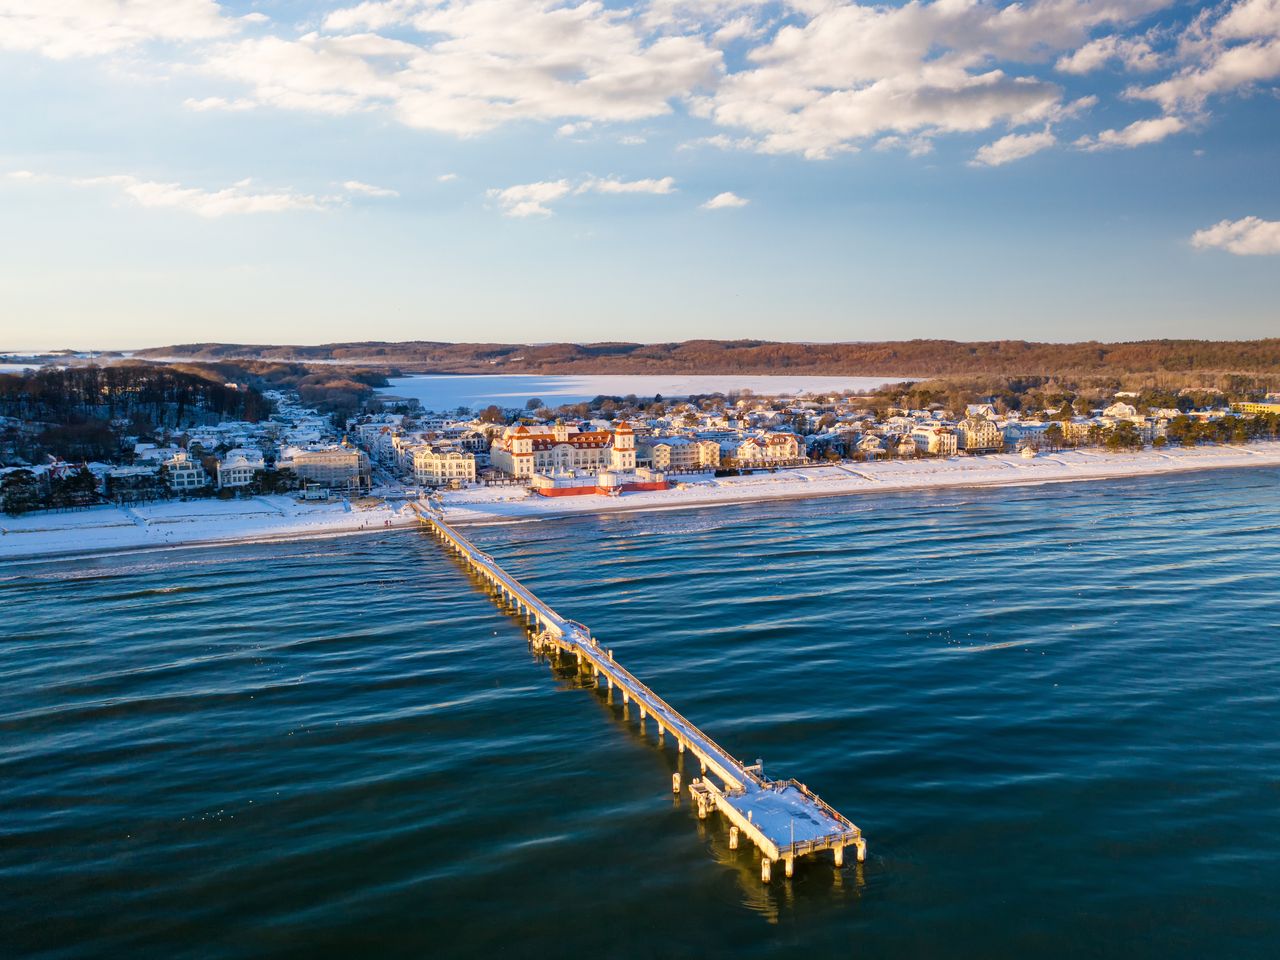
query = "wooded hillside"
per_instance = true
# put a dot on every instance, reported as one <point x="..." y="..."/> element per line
<point x="907" y="359"/>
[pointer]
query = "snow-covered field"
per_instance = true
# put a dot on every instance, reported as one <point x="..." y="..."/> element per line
<point x="499" y="505"/>
<point x="195" y="521"/>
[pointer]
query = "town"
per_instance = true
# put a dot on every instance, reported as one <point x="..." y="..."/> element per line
<point x="607" y="447"/>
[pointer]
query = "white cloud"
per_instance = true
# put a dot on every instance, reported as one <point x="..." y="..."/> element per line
<point x="660" y="186"/>
<point x="203" y="104"/>
<point x="1133" y="54"/>
<point x="725" y="201"/>
<point x="238" y="198"/>
<point x="467" y="66"/>
<point x="530" y="199"/>
<point x="1015" y="146"/>
<point x="368" y="189"/>
<point x="1137" y="134"/>
<point x="915" y="146"/>
<point x="851" y="72"/>
<point x="446" y="177"/>
<point x="1236" y="51"/>
<point x="816" y="78"/>
<point x="631" y="140"/>
<point x="1249" y="236"/>
<point x="535" y="199"/>
<point x="79" y="28"/>
<point x="573" y="129"/>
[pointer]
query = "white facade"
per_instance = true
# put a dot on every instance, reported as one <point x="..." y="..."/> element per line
<point x="681" y="453"/>
<point x="938" y="441"/>
<point x="184" y="474"/>
<point x="237" y="468"/>
<point x="435" y="468"/>
<point x="337" y="465"/>
<point x="522" y="451"/>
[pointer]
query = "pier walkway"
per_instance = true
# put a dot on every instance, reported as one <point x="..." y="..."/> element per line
<point x="783" y="818"/>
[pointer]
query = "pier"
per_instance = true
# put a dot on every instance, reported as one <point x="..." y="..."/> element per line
<point x="783" y="818"/>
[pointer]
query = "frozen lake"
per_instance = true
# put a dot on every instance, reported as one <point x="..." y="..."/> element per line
<point x="439" y="392"/>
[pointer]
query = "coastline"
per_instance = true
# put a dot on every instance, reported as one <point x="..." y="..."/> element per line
<point x="109" y="530"/>
<point x="106" y="530"/>
<point x="484" y="507"/>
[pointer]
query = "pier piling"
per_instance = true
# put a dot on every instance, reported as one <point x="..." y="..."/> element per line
<point x="783" y="818"/>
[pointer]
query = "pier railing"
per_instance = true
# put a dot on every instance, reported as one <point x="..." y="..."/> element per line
<point x="745" y="790"/>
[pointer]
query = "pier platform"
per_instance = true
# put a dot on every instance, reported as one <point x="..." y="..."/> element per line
<point x="783" y="818"/>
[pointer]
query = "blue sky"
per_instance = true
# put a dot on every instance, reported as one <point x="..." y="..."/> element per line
<point x="515" y="170"/>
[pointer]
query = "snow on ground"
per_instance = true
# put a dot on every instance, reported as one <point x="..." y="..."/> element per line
<point x="175" y="523"/>
<point x="502" y="504"/>
<point x="170" y="523"/>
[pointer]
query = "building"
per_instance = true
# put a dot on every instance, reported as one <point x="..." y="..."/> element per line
<point x="607" y="483"/>
<point x="680" y="453"/>
<point x="237" y="468"/>
<point x="337" y="465"/>
<point x="522" y="450"/>
<point x="936" y="441"/>
<point x="979" y="435"/>
<point x="434" y="467"/>
<point x="1075" y="431"/>
<point x="1257" y="409"/>
<point x="770" y="450"/>
<point x="183" y="474"/>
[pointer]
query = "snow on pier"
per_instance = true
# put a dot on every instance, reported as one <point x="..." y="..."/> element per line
<point x="783" y="818"/>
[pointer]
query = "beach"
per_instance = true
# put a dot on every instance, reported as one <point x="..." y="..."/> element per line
<point x="186" y="523"/>
<point x="504" y="505"/>
<point x="176" y="523"/>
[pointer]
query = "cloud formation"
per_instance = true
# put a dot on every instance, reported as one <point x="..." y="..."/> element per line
<point x="535" y="199"/>
<point x="242" y="197"/>
<point x="815" y="78"/>
<point x="1014" y="146"/>
<point x="62" y="29"/>
<point x="1249" y="236"/>
<point x="725" y="201"/>
<point x="239" y="198"/>
<point x="1136" y="134"/>
<point x="368" y="189"/>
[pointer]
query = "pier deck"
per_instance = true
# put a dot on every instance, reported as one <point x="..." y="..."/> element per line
<point x="783" y="818"/>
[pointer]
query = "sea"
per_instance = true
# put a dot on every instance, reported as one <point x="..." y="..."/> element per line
<point x="447" y="392"/>
<point x="1054" y="711"/>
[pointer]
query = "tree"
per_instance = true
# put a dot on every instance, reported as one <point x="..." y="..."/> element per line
<point x="79" y="489"/>
<point x="492" y="414"/>
<point x="533" y="403"/>
<point x="1123" y="435"/>
<point x="1053" y="435"/>
<point x="19" y="492"/>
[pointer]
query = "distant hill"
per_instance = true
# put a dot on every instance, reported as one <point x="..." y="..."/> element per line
<point x="911" y="358"/>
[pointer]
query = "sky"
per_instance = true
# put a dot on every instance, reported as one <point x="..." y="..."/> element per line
<point x="301" y="171"/>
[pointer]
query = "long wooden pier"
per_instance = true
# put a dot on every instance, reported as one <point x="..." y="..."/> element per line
<point x="783" y="818"/>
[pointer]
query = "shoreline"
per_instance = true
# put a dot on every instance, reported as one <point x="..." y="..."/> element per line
<point x="107" y="530"/>
<point x="821" y="482"/>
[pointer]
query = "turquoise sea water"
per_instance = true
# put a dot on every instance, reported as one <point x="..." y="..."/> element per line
<point x="1054" y="711"/>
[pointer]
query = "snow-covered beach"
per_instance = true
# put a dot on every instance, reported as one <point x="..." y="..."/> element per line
<point x="178" y="523"/>
<point x="185" y="523"/>
<point x="503" y="505"/>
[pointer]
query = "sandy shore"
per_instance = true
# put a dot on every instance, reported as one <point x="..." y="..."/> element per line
<point x="177" y="524"/>
<point x="499" y="505"/>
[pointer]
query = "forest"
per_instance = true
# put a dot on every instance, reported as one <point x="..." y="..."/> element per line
<point x="910" y="359"/>
<point x="83" y="412"/>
